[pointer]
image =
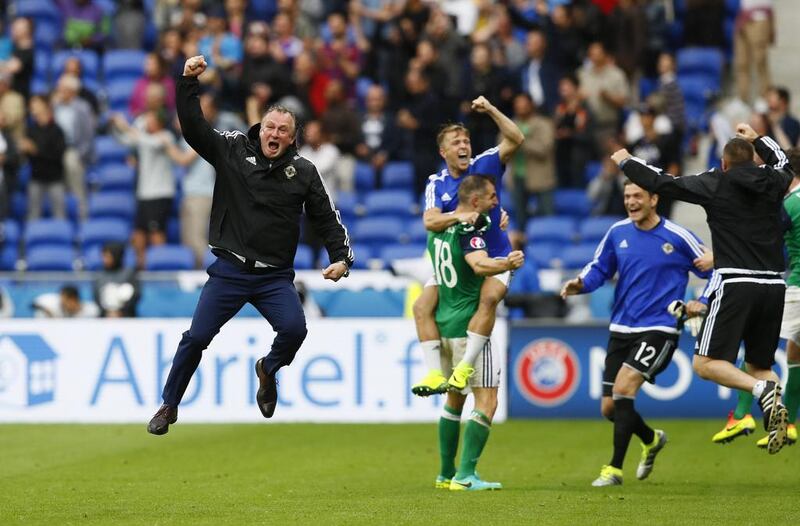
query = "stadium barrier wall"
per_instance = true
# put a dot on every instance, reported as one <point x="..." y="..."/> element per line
<point x="348" y="370"/>
<point x="556" y="371"/>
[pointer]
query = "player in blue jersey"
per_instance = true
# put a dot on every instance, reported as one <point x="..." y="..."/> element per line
<point x="652" y="256"/>
<point x="441" y="199"/>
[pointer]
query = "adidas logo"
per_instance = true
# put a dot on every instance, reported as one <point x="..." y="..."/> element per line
<point x="251" y="160"/>
<point x="624" y="244"/>
<point x="446" y="197"/>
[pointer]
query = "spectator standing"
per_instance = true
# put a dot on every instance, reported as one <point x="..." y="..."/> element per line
<point x="703" y="23"/>
<point x="672" y="96"/>
<point x="45" y="146"/>
<point x="129" y="24"/>
<point x="286" y="46"/>
<point x="627" y="38"/>
<point x="85" y="24"/>
<point x="170" y="48"/>
<point x="378" y="131"/>
<point x="484" y="78"/>
<point x="12" y="106"/>
<point x="341" y="121"/>
<point x="222" y="47"/>
<point x="155" y="72"/>
<point x="155" y="184"/>
<point x="574" y="146"/>
<point x="533" y="164"/>
<point x="785" y="127"/>
<point x="754" y="32"/>
<point x="20" y="65"/>
<point x="340" y="57"/>
<point x="606" y="92"/>
<point x="75" y="117"/>
<point x="539" y="75"/>
<point x="235" y="11"/>
<point x="323" y="154"/>
<point x="73" y="66"/>
<point x="419" y="118"/>
<point x="264" y="80"/>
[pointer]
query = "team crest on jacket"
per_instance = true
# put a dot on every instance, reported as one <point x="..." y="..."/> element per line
<point x="289" y="171"/>
<point x="477" y="242"/>
<point x="667" y="248"/>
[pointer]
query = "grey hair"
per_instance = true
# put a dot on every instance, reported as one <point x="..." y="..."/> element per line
<point x="280" y="108"/>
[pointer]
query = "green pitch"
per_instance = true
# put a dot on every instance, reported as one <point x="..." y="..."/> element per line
<point x="379" y="474"/>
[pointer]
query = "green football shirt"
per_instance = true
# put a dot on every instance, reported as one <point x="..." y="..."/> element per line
<point x="459" y="286"/>
<point x="791" y="203"/>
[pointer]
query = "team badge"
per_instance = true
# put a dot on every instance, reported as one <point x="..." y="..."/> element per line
<point x="547" y="372"/>
<point x="289" y="171"/>
<point x="667" y="248"/>
<point x="477" y="242"/>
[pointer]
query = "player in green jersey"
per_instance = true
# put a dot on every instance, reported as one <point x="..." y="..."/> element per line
<point x="461" y="262"/>
<point x="740" y="422"/>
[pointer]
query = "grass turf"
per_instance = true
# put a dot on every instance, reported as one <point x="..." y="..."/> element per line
<point x="379" y="474"/>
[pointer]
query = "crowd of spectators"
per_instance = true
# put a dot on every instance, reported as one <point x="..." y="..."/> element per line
<point x="372" y="81"/>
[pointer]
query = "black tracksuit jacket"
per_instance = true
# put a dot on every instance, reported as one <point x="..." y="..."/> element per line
<point x="743" y="205"/>
<point x="257" y="204"/>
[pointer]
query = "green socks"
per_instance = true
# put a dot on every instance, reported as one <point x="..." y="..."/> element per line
<point x="475" y="436"/>
<point x="449" y="428"/>
<point x="791" y="395"/>
<point x="744" y="400"/>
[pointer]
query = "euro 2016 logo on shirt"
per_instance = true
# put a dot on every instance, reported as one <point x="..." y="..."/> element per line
<point x="547" y="372"/>
<point x="477" y="243"/>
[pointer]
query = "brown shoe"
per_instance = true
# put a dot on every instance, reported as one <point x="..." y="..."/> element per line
<point x="267" y="395"/>
<point x="159" y="424"/>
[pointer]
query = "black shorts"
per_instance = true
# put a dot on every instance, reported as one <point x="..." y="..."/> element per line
<point x="649" y="353"/>
<point x="744" y="308"/>
<point x="152" y="214"/>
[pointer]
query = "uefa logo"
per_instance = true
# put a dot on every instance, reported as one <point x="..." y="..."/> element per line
<point x="547" y="372"/>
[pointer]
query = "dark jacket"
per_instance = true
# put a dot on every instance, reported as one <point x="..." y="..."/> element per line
<point x="47" y="166"/>
<point x="743" y="205"/>
<point x="257" y="203"/>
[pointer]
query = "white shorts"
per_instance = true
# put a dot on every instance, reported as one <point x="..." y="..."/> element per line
<point x="487" y="364"/>
<point x="790" y="326"/>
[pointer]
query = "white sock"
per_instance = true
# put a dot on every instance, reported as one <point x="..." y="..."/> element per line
<point x="758" y="389"/>
<point x="475" y="344"/>
<point x="431" y="355"/>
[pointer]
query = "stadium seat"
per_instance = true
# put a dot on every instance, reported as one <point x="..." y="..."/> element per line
<point x="389" y="203"/>
<point x="109" y="7"/>
<point x="39" y="87"/>
<point x="120" y="205"/>
<point x="704" y="60"/>
<point x="377" y="230"/>
<point x="48" y="232"/>
<point x="577" y="256"/>
<point x="208" y="258"/>
<point x="391" y="252"/>
<point x="114" y="177"/>
<point x="398" y="174"/>
<point x="347" y="204"/>
<point x="592" y="229"/>
<point x="37" y="9"/>
<point x="554" y="229"/>
<point x="123" y="64"/>
<point x="97" y="232"/>
<point x="647" y="85"/>
<point x="542" y="254"/>
<point x="572" y="202"/>
<point x="304" y="258"/>
<point x="173" y="231"/>
<point x="168" y="257"/>
<point x="41" y="66"/>
<point x="8" y="258"/>
<point x="119" y="94"/>
<point x="363" y="254"/>
<point x="415" y="230"/>
<point x="50" y="257"/>
<point x="9" y="233"/>
<point x="93" y="258"/>
<point x="592" y="170"/>
<point x="46" y="33"/>
<point x="110" y="150"/>
<point x="89" y="62"/>
<point x="364" y="176"/>
<point x="262" y="9"/>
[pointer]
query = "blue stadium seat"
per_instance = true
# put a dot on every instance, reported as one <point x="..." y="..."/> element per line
<point x="592" y="170"/>
<point x="9" y="233"/>
<point x="89" y="62"/>
<point x="391" y="252"/>
<point x="8" y="257"/>
<point x="262" y="9"/>
<point x="542" y="253"/>
<point x="109" y="150"/>
<point x="50" y="257"/>
<point x="554" y="229"/>
<point x="119" y="94"/>
<point x="398" y="174"/>
<point x="208" y="258"/>
<point x="109" y="7"/>
<point x="572" y="202"/>
<point x="415" y="230"/>
<point x="592" y="229"/>
<point x="173" y="231"/>
<point x="37" y="9"/>
<point x="304" y="258"/>
<point x="647" y="85"/>
<point x="120" y="205"/>
<point x="93" y="258"/>
<point x="39" y="86"/>
<point x="577" y="256"/>
<point x="46" y="33"/>
<point x="114" y="177"/>
<point x="123" y="64"/>
<point x="704" y="60"/>
<point x="41" y="66"/>
<point x="363" y="253"/>
<point x="169" y="257"/>
<point x="347" y="204"/>
<point x="377" y="230"/>
<point x="364" y="176"/>
<point x="97" y="232"/>
<point x="731" y="7"/>
<point x="48" y="232"/>
<point x="389" y="203"/>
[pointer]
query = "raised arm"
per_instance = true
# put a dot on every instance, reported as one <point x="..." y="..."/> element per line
<point x="698" y="189"/>
<point x="512" y="136"/>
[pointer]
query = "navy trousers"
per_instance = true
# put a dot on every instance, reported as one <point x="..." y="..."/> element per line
<point x="228" y="288"/>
